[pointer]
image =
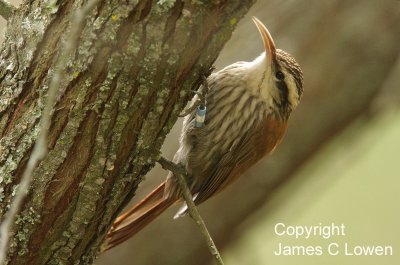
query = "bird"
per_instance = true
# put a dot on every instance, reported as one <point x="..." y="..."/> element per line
<point x="248" y="106"/>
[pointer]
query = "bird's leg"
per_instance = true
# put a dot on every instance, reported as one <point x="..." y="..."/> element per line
<point x="201" y="96"/>
<point x="191" y="108"/>
<point x="176" y="169"/>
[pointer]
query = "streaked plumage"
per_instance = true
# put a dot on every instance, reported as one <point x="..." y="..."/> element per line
<point x="247" y="110"/>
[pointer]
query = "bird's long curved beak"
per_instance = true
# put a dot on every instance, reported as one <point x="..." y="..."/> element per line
<point x="269" y="44"/>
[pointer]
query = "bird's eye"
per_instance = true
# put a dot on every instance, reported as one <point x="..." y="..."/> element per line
<point x="279" y="75"/>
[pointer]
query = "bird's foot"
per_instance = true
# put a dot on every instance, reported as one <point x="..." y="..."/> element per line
<point x="201" y="95"/>
<point x="171" y="166"/>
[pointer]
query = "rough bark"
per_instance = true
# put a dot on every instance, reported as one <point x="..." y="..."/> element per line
<point x="133" y="71"/>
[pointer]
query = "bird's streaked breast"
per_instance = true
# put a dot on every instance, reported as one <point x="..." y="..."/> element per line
<point x="232" y="110"/>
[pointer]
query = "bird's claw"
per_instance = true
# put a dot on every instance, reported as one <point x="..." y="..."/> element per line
<point x="201" y="94"/>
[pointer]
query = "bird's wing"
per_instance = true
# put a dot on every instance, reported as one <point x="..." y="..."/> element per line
<point x="224" y="170"/>
<point x="257" y="142"/>
<point x="219" y="178"/>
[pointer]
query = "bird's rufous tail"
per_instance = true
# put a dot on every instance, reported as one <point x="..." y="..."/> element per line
<point x="136" y="218"/>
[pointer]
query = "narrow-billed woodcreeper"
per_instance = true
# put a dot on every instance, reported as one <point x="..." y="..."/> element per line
<point x="248" y="106"/>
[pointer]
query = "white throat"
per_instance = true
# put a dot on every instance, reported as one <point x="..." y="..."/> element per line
<point x="260" y="79"/>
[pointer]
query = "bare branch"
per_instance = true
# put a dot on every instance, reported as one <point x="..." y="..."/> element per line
<point x="6" y="9"/>
<point x="180" y="173"/>
<point x="40" y="149"/>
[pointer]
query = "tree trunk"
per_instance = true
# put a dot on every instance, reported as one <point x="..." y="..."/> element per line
<point x="131" y="75"/>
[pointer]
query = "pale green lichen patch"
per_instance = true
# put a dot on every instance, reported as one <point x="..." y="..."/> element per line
<point x="24" y="223"/>
<point x="51" y="6"/>
<point x="166" y="4"/>
<point x="10" y="89"/>
<point x="17" y="145"/>
<point x="28" y="216"/>
<point x="5" y="171"/>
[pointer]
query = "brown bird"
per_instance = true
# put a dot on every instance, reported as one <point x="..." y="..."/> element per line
<point x="248" y="106"/>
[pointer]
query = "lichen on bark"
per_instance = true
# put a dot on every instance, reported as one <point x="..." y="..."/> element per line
<point x="121" y="92"/>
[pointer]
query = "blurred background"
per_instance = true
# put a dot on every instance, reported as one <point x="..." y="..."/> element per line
<point x="339" y="161"/>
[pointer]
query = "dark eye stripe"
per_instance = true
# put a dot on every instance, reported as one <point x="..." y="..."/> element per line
<point x="293" y="69"/>
<point x="284" y="93"/>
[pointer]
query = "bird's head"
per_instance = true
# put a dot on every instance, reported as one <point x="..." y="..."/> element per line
<point x="281" y="79"/>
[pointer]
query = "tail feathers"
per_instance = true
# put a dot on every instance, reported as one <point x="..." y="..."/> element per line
<point x="135" y="219"/>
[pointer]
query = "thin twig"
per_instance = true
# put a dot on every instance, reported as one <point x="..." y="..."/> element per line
<point x="40" y="148"/>
<point x="6" y="9"/>
<point x="180" y="174"/>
